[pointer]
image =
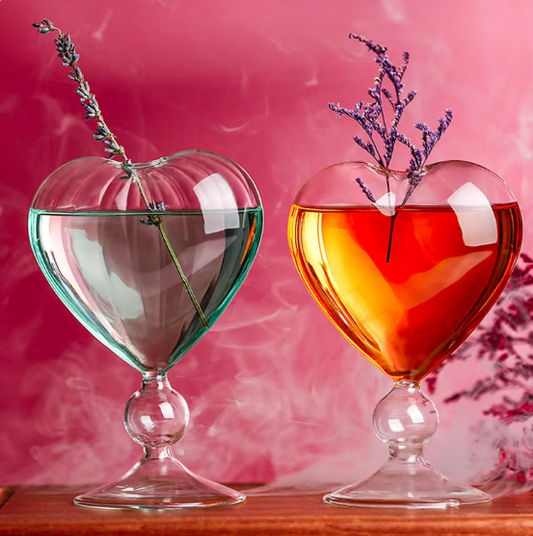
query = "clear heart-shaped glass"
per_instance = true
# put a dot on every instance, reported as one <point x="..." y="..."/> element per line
<point x="147" y="257"/>
<point x="405" y="274"/>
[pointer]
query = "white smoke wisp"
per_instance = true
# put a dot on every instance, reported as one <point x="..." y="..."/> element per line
<point x="297" y="413"/>
<point x="485" y="395"/>
<point x="76" y="426"/>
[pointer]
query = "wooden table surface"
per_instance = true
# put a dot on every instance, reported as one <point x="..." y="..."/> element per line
<point x="50" y="511"/>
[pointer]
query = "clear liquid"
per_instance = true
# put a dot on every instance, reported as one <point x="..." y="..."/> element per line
<point x="116" y="275"/>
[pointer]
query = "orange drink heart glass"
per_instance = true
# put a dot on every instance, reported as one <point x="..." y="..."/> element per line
<point x="405" y="278"/>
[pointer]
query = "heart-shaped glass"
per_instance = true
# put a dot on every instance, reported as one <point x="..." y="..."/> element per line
<point x="147" y="257"/>
<point x="405" y="274"/>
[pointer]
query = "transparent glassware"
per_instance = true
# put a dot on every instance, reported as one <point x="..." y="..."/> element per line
<point x="147" y="257"/>
<point x="405" y="275"/>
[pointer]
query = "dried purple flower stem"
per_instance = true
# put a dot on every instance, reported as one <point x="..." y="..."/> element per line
<point x="371" y="117"/>
<point x="391" y="232"/>
<point x="366" y="191"/>
<point x="67" y="54"/>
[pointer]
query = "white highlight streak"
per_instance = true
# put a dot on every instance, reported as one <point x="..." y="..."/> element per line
<point x="475" y="215"/>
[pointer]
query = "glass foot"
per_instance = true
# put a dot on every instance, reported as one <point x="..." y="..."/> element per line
<point x="406" y="419"/>
<point x="156" y="417"/>
<point x="160" y="483"/>
<point x="406" y="485"/>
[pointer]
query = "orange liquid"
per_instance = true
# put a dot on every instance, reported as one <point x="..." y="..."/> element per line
<point x="406" y="315"/>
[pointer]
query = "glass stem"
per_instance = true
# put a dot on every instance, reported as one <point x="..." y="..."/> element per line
<point x="156" y="416"/>
<point x="406" y="419"/>
<point x="405" y="452"/>
<point x="157" y="453"/>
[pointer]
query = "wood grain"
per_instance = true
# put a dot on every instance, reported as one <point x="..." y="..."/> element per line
<point x="50" y="511"/>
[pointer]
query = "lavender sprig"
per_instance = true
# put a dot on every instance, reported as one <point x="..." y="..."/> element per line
<point x="69" y="57"/>
<point x="366" y="191"/>
<point x="155" y="219"/>
<point x="371" y="117"/>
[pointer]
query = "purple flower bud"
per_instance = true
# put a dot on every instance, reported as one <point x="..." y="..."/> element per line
<point x="366" y="191"/>
<point x="156" y="205"/>
<point x="388" y="95"/>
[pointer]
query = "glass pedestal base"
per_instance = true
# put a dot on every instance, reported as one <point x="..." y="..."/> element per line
<point x="160" y="484"/>
<point x="401" y="484"/>
<point x="406" y="419"/>
<point x="156" y="417"/>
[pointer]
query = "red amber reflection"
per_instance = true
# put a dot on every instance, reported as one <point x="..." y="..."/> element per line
<point x="406" y="315"/>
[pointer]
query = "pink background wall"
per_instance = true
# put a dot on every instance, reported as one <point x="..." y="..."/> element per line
<point x="274" y="390"/>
